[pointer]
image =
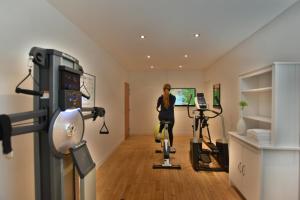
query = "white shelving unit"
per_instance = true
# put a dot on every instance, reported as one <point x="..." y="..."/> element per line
<point x="259" y="118"/>
<point x="260" y="171"/>
<point x="256" y="89"/>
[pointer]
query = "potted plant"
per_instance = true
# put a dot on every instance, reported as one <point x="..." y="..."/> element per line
<point x="241" y="125"/>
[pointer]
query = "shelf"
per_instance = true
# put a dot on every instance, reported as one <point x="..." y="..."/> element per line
<point x="259" y="118"/>
<point x="256" y="72"/>
<point x="257" y="90"/>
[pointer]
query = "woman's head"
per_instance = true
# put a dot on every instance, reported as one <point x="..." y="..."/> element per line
<point x="166" y="97"/>
<point x="166" y="88"/>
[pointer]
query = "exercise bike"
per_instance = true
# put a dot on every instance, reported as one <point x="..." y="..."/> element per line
<point x="163" y="138"/>
<point x="201" y="158"/>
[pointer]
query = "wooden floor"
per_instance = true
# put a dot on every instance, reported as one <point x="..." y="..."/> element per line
<point x="128" y="175"/>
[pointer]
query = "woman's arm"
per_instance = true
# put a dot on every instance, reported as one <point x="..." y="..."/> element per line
<point x="172" y="101"/>
<point x="158" y="104"/>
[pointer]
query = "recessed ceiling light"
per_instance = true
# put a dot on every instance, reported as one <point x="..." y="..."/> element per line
<point x="148" y="56"/>
<point x="186" y="55"/>
<point x="180" y="66"/>
<point x="142" y="37"/>
<point x="151" y="67"/>
<point x="196" y="35"/>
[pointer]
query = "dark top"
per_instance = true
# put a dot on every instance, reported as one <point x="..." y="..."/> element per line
<point x="166" y="114"/>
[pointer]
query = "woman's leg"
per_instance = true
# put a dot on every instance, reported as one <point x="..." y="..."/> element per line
<point x="161" y="127"/>
<point x="170" y="129"/>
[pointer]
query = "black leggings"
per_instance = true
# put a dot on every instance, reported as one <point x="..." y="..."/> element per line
<point x="170" y="130"/>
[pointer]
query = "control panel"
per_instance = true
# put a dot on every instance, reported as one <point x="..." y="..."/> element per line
<point x="200" y="101"/>
<point x="69" y="95"/>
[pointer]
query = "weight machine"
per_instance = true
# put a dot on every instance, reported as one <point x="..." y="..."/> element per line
<point x="58" y="123"/>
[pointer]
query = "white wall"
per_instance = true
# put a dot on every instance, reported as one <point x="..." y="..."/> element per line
<point x="36" y="23"/>
<point x="278" y="41"/>
<point x="146" y="87"/>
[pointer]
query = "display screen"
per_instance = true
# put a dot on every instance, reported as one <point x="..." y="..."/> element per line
<point x="183" y="96"/>
<point x="69" y="81"/>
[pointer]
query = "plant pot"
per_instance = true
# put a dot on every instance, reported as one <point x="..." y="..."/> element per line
<point x="241" y="126"/>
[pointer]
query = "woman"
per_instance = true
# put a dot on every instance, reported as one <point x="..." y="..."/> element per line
<point x="166" y="104"/>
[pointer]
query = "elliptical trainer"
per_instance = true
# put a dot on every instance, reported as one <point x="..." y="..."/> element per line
<point x="200" y="157"/>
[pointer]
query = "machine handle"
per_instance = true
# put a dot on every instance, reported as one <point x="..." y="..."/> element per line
<point x="85" y="96"/>
<point x="29" y="92"/>
<point x="26" y="91"/>
<point x="217" y="113"/>
<point x="188" y="107"/>
<point x="104" y="129"/>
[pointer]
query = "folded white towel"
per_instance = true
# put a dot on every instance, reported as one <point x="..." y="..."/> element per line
<point x="260" y="135"/>
<point x="259" y="131"/>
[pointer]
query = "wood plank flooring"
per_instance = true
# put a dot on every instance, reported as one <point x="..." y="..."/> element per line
<point x="128" y="175"/>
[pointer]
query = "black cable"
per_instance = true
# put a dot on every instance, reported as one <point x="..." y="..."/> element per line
<point x="26" y="91"/>
<point x="24" y="79"/>
<point x="88" y="96"/>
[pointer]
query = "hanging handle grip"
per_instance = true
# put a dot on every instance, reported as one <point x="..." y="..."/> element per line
<point x="29" y="92"/>
<point x="26" y="91"/>
<point x="104" y="129"/>
<point x="85" y="96"/>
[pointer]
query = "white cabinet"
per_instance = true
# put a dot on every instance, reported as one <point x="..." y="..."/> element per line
<point x="251" y="172"/>
<point x="235" y="162"/>
<point x="245" y="169"/>
<point x="269" y="170"/>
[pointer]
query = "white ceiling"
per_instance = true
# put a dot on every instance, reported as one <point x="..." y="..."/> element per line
<point x="169" y="26"/>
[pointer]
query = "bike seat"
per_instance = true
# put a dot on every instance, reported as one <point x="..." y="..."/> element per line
<point x="165" y="122"/>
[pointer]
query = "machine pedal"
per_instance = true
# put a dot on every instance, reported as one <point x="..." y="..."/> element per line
<point x="160" y="166"/>
<point x="205" y="158"/>
<point x="160" y="151"/>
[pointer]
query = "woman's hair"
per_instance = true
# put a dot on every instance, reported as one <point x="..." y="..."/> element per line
<point x="166" y="97"/>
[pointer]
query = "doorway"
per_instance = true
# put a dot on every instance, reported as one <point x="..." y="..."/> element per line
<point x="127" y="109"/>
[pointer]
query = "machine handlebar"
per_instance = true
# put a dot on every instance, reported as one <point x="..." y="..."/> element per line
<point x="217" y="113"/>
<point x="29" y="92"/>
<point x="188" y="107"/>
<point x="85" y="96"/>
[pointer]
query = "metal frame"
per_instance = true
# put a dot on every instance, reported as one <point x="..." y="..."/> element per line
<point x="166" y="152"/>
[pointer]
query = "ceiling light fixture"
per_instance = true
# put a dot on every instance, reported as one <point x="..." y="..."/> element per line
<point x="186" y="55"/>
<point x="142" y="37"/>
<point x="148" y="56"/>
<point x="180" y="66"/>
<point x="196" y="35"/>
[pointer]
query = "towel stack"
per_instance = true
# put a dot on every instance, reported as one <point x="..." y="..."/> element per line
<point x="262" y="136"/>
